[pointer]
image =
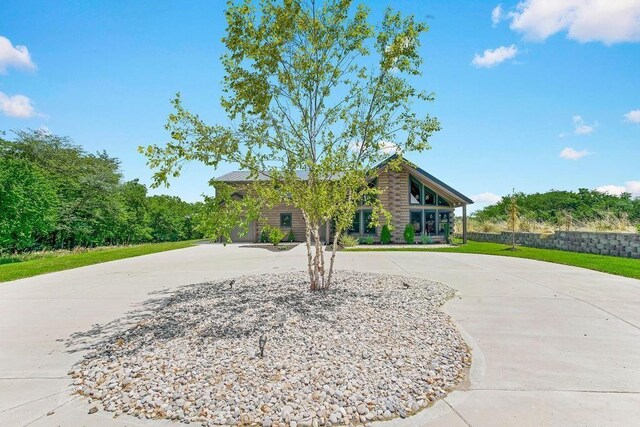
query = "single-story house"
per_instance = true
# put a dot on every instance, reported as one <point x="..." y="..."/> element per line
<point x="411" y="195"/>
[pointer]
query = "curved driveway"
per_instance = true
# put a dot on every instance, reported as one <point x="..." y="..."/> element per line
<point x="552" y="345"/>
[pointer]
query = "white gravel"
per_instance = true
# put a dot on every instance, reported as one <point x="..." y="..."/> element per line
<point x="371" y="348"/>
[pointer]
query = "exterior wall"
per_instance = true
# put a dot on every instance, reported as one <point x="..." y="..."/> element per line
<point x="616" y="244"/>
<point x="395" y="198"/>
<point x="273" y="219"/>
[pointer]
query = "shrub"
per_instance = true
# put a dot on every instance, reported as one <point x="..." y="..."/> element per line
<point x="368" y="240"/>
<point x="291" y="237"/>
<point x="385" y="235"/>
<point x="347" y="241"/>
<point x="409" y="234"/>
<point x="426" y="239"/>
<point x="274" y="234"/>
<point x="448" y="235"/>
<point x="264" y="238"/>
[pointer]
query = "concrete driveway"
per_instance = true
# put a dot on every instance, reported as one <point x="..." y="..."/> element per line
<point x="552" y="345"/>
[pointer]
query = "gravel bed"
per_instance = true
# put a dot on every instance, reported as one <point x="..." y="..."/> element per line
<point x="373" y="347"/>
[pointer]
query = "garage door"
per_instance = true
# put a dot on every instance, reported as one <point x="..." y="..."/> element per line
<point x="249" y="237"/>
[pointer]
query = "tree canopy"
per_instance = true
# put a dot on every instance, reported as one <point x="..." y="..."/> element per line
<point x="584" y="205"/>
<point x="310" y="86"/>
<point x="55" y="195"/>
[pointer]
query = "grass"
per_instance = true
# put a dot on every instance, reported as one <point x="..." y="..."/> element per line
<point x="21" y="266"/>
<point x="627" y="267"/>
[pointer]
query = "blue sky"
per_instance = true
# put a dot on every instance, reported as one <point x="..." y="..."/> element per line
<point x="535" y="95"/>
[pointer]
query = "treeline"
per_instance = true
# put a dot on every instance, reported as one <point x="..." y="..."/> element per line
<point x="54" y="195"/>
<point x="555" y="206"/>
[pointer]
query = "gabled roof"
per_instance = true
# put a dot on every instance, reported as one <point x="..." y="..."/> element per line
<point x="244" y="176"/>
<point x="429" y="177"/>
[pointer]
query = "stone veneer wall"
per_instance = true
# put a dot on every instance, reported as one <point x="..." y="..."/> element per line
<point x="616" y="244"/>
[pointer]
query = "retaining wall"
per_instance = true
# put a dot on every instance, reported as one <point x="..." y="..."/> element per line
<point x="616" y="244"/>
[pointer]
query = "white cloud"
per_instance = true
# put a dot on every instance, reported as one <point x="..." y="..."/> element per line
<point x="488" y="198"/>
<point x="633" y="116"/>
<point x="606" y="21"/>
<point x="16" y="106"/>
<point x="14" y="56"/>
<point x="491" y="58"/>
<point x="632" y="187"/>
<point x="571" y="154"/>
<point x="581" y="127"/>
<point x="387" y="147"/>
<point x="496" y="15"/>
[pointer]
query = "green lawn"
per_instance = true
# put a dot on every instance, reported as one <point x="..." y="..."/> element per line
<point x="627" y="267"/>
<point x="48" y="262"/>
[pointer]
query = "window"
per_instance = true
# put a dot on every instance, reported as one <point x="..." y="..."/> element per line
<point x="430" y="222"/>
<point x="415" y="218"/>
<point x="429" y="197"/>
<point x="443" y="221"/>
<point x="366" y="219"/>
<point x="414" y="192"/>
<point x="442" y="202"/>
<point x="422" y="195"/>
<point x="355" y="225"/>
<point x="285" y="220"/>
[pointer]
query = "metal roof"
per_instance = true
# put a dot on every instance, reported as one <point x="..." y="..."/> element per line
<point x="243" y="176"/>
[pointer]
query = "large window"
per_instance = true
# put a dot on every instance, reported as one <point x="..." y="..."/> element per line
<point x="414" y="192"/>
<point x="415" y="218"/>
<point x="366" y="219"/>
<point x="443" y="220"/>
<point x="430" y="222"/>
<point x="285" y="220"/>
<point x="442" y="202"/>
<point x="420" y="194"/>
<point x="355" y="224"/>
<point x="360" y="224"/>
<point x="429" y="197"/>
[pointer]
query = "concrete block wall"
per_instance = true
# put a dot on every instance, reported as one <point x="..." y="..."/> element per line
<point x="615" y="244"/>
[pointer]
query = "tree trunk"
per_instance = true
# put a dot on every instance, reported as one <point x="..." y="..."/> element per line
<point x="317" y="264"/>
<point x="334" y="248"/>
<point x="307" y="228"/>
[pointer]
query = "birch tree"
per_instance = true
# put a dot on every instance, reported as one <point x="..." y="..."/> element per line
<point x="313" y="86"/>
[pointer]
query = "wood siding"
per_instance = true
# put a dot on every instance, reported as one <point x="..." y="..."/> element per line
<point x="394" y="197"/>
<point x="272" y="217"/>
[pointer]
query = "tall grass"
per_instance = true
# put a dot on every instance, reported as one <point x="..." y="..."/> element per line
<point x="608" y="222"/>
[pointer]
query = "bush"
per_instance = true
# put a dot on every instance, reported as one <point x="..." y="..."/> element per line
<point x="409" y="234"/>
<point x="273" y="234"/>
<point x="347" y="241"/>
<point x="291" y="237"/>
<point x="426" y="239"/>
<point x="276" y="235"/>
<point x="385" y="235"/>
<point x="638" y="228"/>
<point x="367" y="240"/>
<point x="448" y="235"/>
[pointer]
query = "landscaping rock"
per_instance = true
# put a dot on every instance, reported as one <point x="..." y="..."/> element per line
<point x="371" y="347"/>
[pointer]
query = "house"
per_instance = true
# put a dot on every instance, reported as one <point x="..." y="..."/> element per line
<point x="411" y="195"/>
